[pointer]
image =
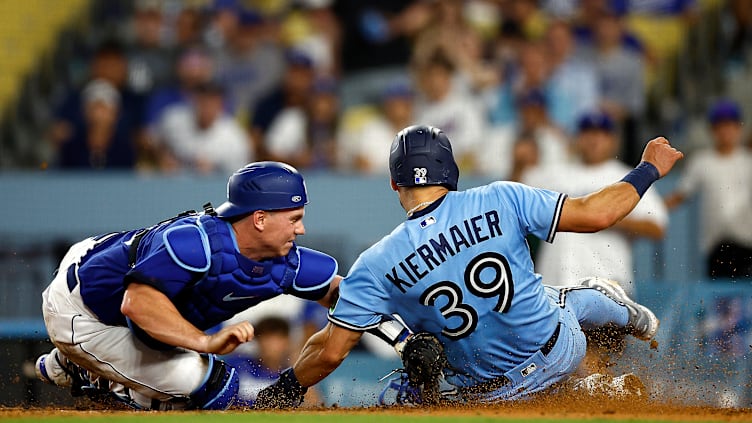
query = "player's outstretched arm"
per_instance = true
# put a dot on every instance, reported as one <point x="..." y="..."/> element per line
<point x="153" y="312"/>
<point x="323" y="352"/>
<point x="603" y="208"/>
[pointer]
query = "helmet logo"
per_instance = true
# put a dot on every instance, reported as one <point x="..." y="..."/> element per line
<point x="420" y="175"/>
<point x="296" y="199"/>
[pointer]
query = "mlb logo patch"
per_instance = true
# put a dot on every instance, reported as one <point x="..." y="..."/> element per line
<point x="529" y="369"/>
<point x="296" y="198"/>
<point x="430" y="220"/>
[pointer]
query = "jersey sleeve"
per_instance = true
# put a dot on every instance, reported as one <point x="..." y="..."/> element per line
<point x="362" y="300"/>
<point x="538" y="210"/>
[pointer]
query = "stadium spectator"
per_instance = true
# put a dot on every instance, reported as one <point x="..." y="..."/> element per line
<point x="531" y="71"/>
<point x="621" y="82"/>
<point x="305" y="136"/>
<point x="589" y="13"/>
<point x="722" y="175"/>
<point x="292" y="93"/>
<point x="250" y="64"/>
<point x="450" y="33"/>
<point x="200" y="136"/>
<point x="109" y="109"/>
<point x="223" y="22"/>
<point x="313" y="28"/>
<point x="525" y="156"/>
<point x="377" y="43"/>
<point x="496" y="157"/>
<point x="443" y="104"/>
<point x="607" y="253"/>
<point x="372" y="142"/>
<point x="193" y="68"/>
<point x="534" y="119"/>
<point x="572" y="79"/>
<point x="737" y="35"/>
<point x="150" y="59"/>
<point x="186" y="28"/>
<point x="530" y="17"/>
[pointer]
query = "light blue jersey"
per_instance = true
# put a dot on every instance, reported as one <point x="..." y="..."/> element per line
<point x="461" y="269"/>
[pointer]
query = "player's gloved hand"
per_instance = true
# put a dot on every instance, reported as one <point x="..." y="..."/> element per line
<point x="424" y="360"/>
<point x="284" y="393"/>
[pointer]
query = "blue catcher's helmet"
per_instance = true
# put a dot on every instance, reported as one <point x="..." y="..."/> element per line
<point x="422" y="155"/>
<point x="263" y="186"/>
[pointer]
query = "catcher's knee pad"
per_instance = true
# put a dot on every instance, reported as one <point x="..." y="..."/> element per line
<point x="220" y="387"/>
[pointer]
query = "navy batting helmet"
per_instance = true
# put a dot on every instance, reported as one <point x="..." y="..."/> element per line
<point x="263" y="186"/>
<point x="422" y="155"/>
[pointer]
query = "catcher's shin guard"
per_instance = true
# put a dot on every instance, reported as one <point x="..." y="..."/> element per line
<point x="220" y="388"/>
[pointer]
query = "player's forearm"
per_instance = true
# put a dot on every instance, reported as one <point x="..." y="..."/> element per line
<point x="310" y="369"/>
<point x="323" y="353"/>
<point x="157" y="316"/>
<point x="599" y="210"/>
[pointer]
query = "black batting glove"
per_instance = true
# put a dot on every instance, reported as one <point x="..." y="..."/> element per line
<point x="284" y="393"/>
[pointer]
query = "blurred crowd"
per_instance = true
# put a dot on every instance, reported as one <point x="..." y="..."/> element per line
<point x="555" y="94"/>
<point x="210" y="85"/>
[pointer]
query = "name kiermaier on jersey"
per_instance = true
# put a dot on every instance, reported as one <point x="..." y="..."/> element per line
<point x="446" y="244"/>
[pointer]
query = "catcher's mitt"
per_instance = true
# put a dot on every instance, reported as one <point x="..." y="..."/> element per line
<point x="424" y="361"/>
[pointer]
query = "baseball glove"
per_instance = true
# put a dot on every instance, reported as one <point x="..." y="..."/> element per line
<point x="424" y="360"/>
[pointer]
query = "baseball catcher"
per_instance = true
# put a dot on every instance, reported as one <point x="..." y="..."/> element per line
<point x="127" y="311"/>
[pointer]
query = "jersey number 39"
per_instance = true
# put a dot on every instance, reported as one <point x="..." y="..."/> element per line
<point x="500" y="285"/>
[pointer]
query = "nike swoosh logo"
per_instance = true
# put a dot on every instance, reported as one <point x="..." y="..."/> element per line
<point x="230" y="297"/>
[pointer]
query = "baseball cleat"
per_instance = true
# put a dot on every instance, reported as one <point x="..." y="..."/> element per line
<point x="600" y="385"/>
<point x="642" y="322"/>
<point x="51" y="369"/>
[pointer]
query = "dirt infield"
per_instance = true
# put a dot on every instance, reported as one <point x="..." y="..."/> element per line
<point x="550" y="408"/>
